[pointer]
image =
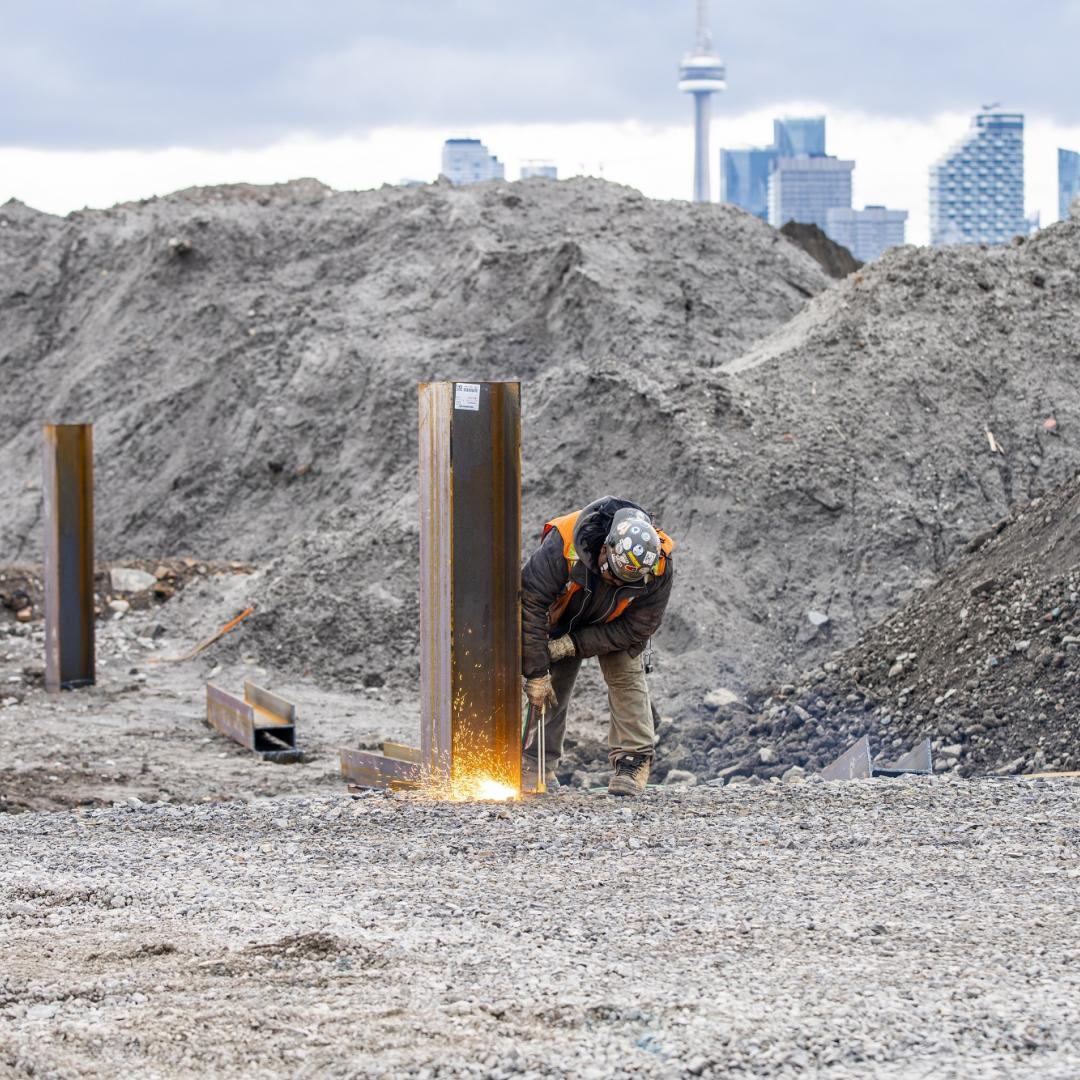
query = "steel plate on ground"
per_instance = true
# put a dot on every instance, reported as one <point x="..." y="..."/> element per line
<point x="852" y="764"/>
<point x="368" y="770"/>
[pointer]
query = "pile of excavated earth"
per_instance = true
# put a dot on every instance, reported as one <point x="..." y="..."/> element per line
<point x="249" y="357"/>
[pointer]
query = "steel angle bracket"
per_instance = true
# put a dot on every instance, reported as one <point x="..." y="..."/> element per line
<point x="917" y="762"/>
<point x="261" y="721"/>
<point x="852" y="764"/>
<point x="396" y="769"/>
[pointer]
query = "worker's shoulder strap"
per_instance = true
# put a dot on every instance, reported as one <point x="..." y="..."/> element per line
<point x="667" y="546"/>
<point x="565" y="526"/>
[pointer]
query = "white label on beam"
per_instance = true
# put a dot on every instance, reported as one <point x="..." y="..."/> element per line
<point x="467" y="396"/>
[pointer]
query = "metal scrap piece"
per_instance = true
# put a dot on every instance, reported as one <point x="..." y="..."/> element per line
<point x="69" y="556"/>
<point x="855" y="763"/>
<point x="852" y="764"/>
<point x="917" y="762"/>
<point x="261" y="721"/>
<point x="368" y="770"/>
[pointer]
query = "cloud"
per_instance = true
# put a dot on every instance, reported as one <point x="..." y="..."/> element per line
<point x="198" y="73"/>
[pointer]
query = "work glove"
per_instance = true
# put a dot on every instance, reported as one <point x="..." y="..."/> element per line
<point x="540" y="693"/>
<point x="561" y="648"/>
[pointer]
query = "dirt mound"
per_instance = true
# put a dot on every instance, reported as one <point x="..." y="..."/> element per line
<point x="249" y="356"/>
<point x="834" y="258"/>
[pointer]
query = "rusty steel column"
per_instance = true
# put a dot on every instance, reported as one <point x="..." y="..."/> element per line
<point x="470" y="607"/>
<point x="69" y="556"/>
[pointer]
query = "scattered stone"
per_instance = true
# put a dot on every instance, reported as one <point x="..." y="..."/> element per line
<point x="129" y="580"/>
<point x="720" y="697"/>
<point x="680" y="778"/>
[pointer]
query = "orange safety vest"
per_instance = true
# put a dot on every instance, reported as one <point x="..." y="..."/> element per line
<point x="565" y="525"/>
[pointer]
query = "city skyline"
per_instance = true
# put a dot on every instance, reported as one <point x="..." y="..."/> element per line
<point x="607" y="105"/>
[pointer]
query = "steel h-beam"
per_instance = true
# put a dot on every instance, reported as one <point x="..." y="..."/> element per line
<point x="69" y="556"/>
<point x="470" y="609"/>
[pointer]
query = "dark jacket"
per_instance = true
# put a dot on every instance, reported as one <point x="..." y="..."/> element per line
<point x="544" y="580"/>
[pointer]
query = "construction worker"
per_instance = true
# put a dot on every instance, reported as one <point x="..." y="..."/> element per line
<point x="597" y="585"/>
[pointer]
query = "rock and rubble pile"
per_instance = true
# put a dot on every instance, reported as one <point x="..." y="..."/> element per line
<point x="984" y="663"/>
<point x="249" y="357"/>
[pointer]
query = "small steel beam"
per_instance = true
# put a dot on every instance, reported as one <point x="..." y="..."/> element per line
<point x="69" y="556"/>
<point x="852" y="764"/>
<point x="367" y="770"/>
<point x="261" y="721"/>
<point x="401" y="752"/>
<point x="470" y="551"/>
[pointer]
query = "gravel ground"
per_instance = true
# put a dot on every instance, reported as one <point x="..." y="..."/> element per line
<point x="141" y="733"/>
<point x="892" y="928"/>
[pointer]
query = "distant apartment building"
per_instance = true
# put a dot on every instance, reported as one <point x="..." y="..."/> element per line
<point x="805" y="189"/>
<point x="977" y="187"/>
<point x="542" y="169"/>
<point x="866" y="233"/>
<point x="1068" y="181"/>
<point x="467" y="161"/>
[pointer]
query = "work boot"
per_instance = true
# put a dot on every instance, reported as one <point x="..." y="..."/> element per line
<point x="631" y="775"/>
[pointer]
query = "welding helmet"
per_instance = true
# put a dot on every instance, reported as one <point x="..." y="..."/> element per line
<point x="633" y="546"/>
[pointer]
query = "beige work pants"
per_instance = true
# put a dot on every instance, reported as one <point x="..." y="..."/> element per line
<point x="630" y="727"/>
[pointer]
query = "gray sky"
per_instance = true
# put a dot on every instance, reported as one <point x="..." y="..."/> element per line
<point x="208" y="73"/>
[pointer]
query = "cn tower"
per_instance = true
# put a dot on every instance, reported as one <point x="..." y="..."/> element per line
<point x="702" y="74"/>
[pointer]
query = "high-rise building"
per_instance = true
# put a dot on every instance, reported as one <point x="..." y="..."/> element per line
<point x="744" y="174"/>
<point x="467" y="161"/>
<point x="799" y="136"/>
<point x="977" y="187"/>
<point x="866" y="233"/>
<point x="804" y="189"/>
<point x="702" y="74"/>
<point x="744" y="178"/>
<point x="1068" y="181"/>
<point x="538" y="168"/>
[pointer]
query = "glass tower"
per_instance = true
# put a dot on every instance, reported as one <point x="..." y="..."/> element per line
<point x="467" y="161"/>
<point x="799" y="136"/>
<point x="744" y="174"/>
<point x="977" y="187"/>
<point x="1068" y="181"/>
<point x="744" y="178"/>
<point x="804" y="189"/>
